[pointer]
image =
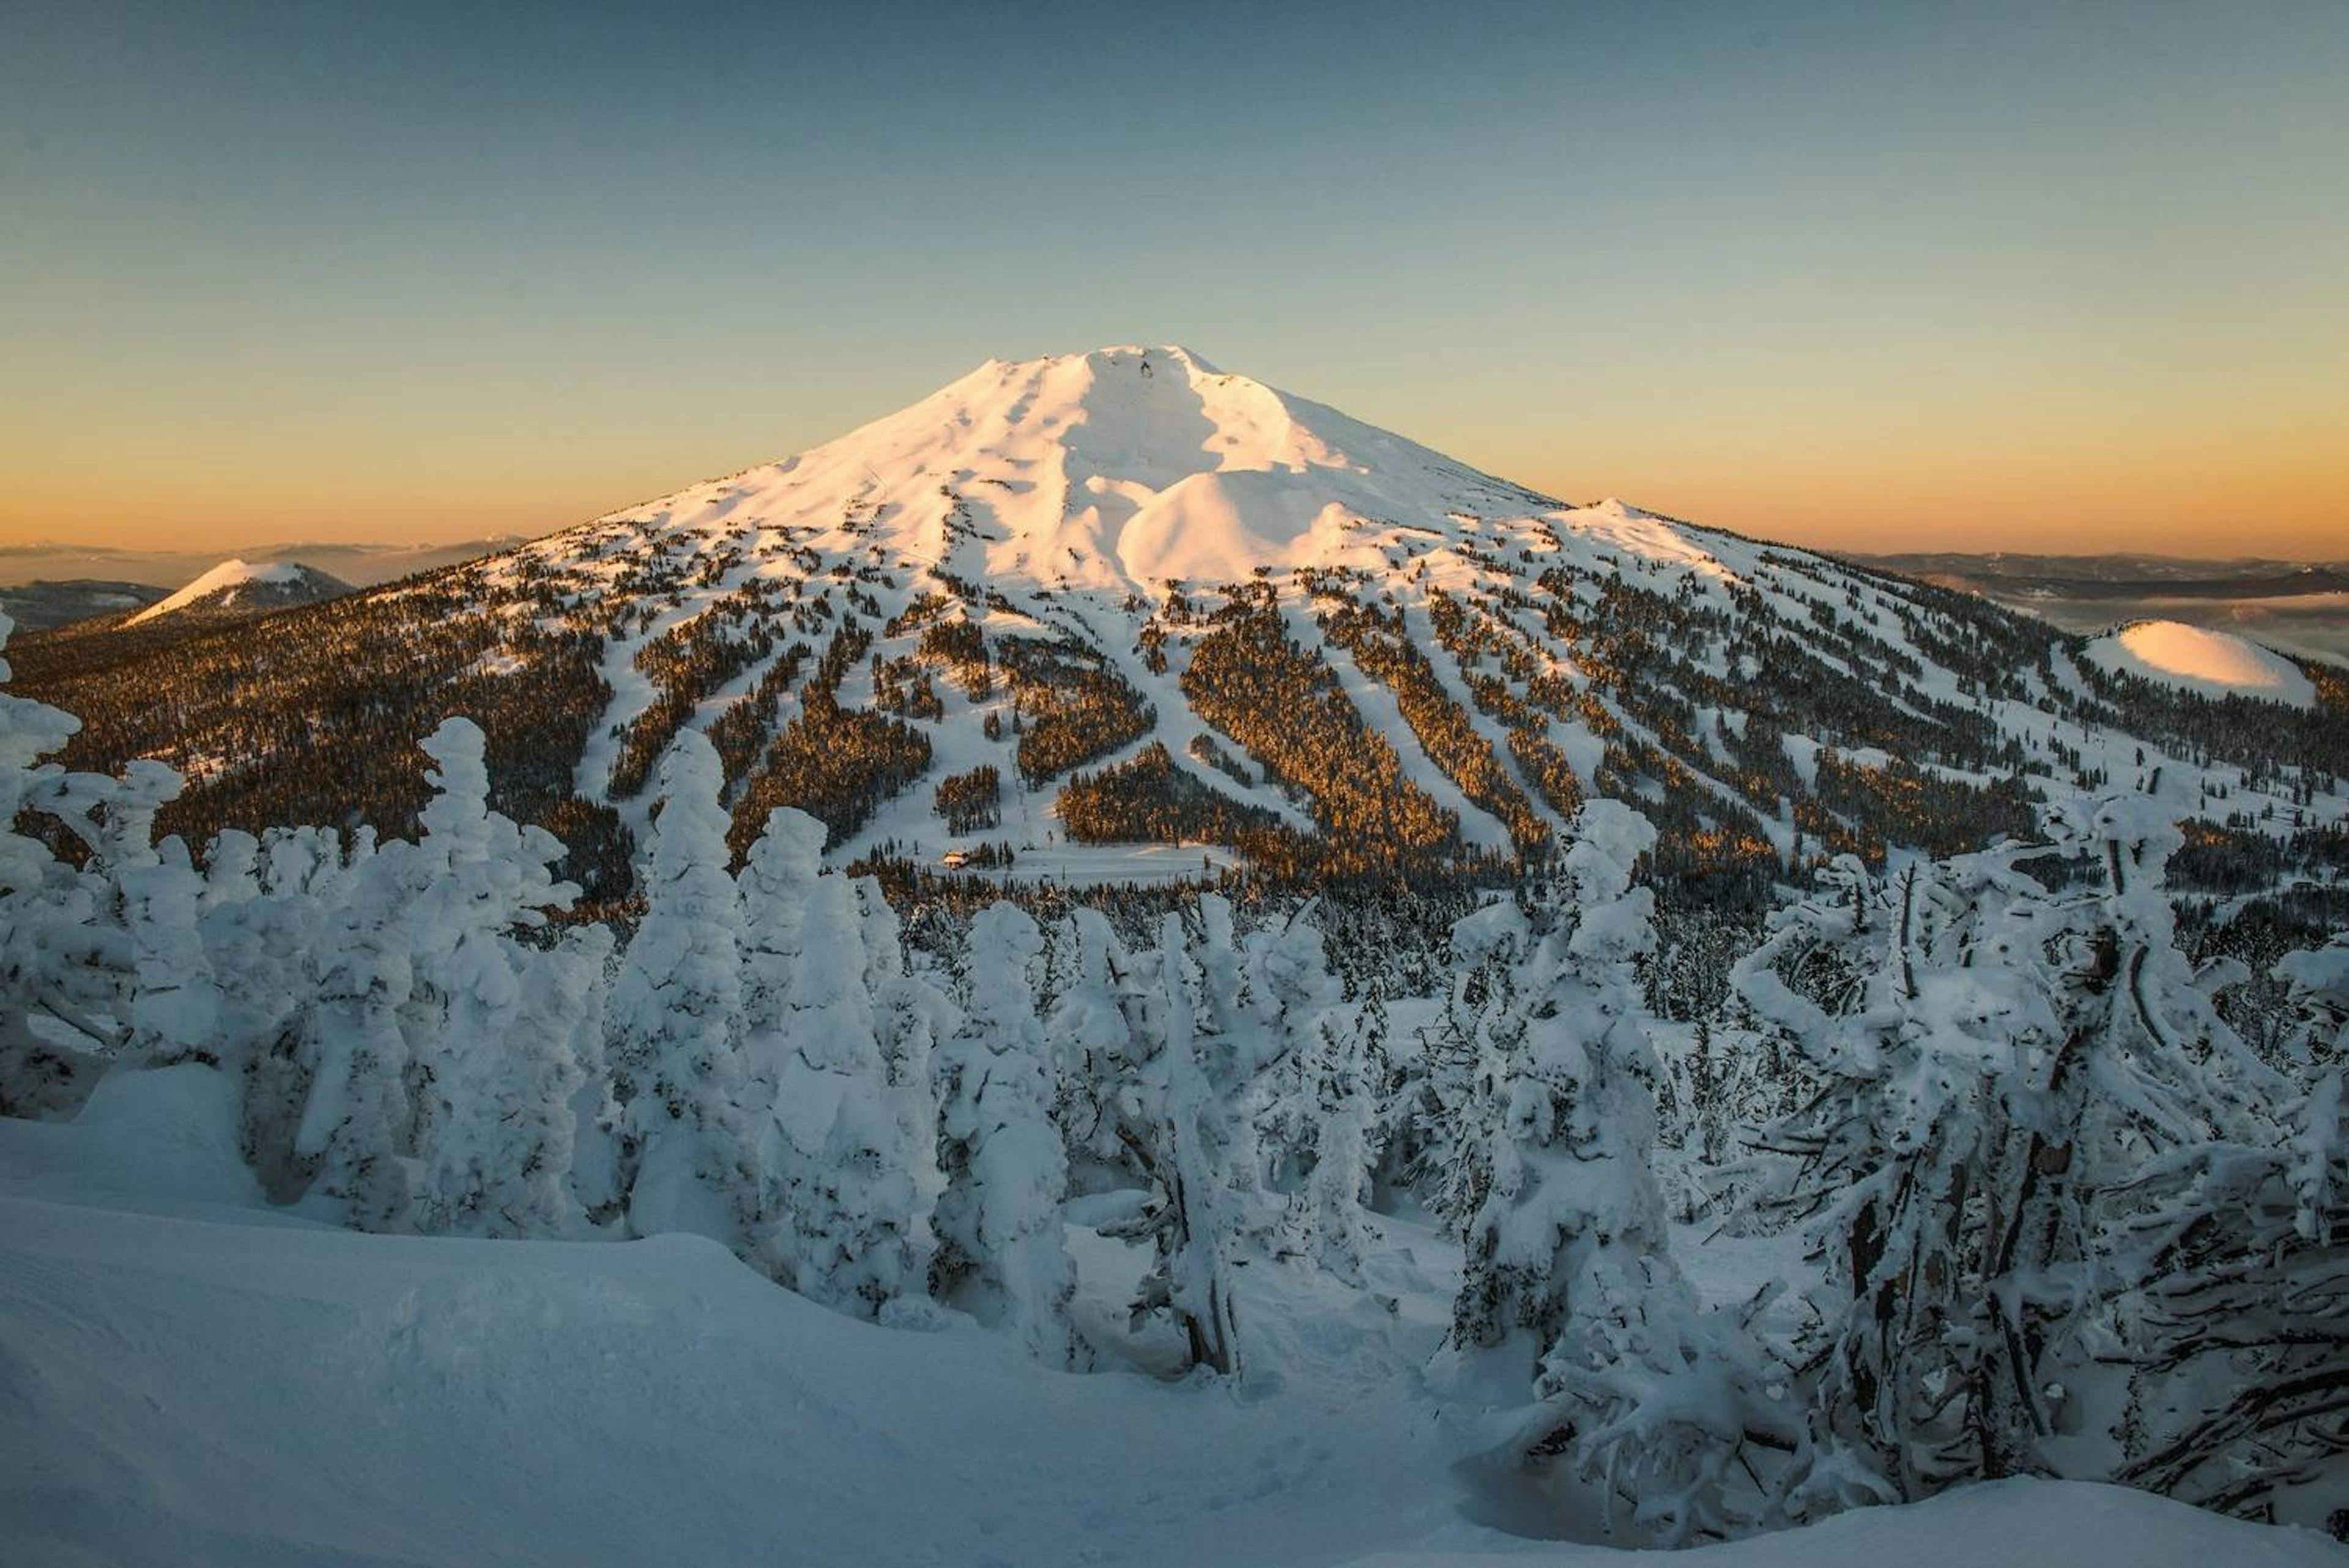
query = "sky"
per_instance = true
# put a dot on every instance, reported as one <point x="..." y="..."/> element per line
<point x="2050" y="277"/>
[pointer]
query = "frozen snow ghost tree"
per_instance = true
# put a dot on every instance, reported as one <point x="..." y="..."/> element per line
<point x="1569" y="1288"/>
<point x="1569" y="1189"/>
<point x="851" y="1226"/>
<point x="496" y="1129"/>
<point x="777" y="883"/>
<point x="1440" y="1123"/>
<point x="911" y="1015"/>
<point x="1312" y="1102"/>
<point x="173" y="1003"/>
<point x="998" y="1221"/>
<point x="1185" y="1142"/>
<point x="677" y="1074"/>
<point x="2008" y="1059"/>
<point x="1098" y="1034"/>
<point x="356" y="1135"/>
<point x="57" y="1027"/>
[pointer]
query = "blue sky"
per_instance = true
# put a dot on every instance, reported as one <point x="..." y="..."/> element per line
<point x="2058" y="275"/>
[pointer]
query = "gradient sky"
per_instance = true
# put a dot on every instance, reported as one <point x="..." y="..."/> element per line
<point x="2045" y="276"/>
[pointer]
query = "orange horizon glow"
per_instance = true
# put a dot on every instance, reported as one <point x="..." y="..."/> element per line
<point x="2279" y="491"/>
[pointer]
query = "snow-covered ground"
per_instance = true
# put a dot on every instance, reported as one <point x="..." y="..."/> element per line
<point x="187" y="1376"/>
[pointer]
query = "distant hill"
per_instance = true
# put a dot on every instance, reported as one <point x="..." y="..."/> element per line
<point x="362" y="566"/>
<point x="2299" y="607"/>
<point x="240" y="588"/>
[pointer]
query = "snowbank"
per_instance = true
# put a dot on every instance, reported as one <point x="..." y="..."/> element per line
<point x="2012" y="1523"/>
<point x="2215" y="664"/>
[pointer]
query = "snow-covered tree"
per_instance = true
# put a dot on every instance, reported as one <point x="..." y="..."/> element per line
<point x="851" y="1220"/>
<point x="172" y="1002"/>
<point x="496" y="1122"/>
<point x="1315" y="1092"/>
<point x="911" y="1014"/>
<point x="2237" y="1321"/>
<point x="2007" y="1059"/>
<point x="1183" y="1118"/>
<point x="1440" y="1121"/>
<point x="1570" y="1287"/>
<point x="777" y="883"/>
<point x="1570" y="1188"/>
<point x="677" y="1075"/>
<point x="1346" y="1060"/>
<point x="356" y="1134"/>
<point x="999" y="1220"/>
<point x="56" y="1028"/>
<point x="1097" y="1036"/>
<point x="2238" y="1328"/>
<point x="270" y="907"/>
<point x="2318" y="980"/>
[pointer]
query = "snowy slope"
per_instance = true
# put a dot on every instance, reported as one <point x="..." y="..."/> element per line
<point x="186" y="1377"/>
<point x="2214" y="663"/>
<point x="238" y="587"/>
<point x="1078" y="492"/>
<point x="1115" y="468"/>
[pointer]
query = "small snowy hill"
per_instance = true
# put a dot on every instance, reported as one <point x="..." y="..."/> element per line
<point x="2197" y="658"/>
<point x="241" y="588"/>
<point x="188" y="1377"/>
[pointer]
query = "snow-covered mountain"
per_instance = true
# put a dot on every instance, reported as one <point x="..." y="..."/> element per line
<point x="237" y="587"/>
<point x="1097" y="606"/>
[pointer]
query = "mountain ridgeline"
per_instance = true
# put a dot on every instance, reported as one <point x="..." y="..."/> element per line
<point x="1123" y="597"/>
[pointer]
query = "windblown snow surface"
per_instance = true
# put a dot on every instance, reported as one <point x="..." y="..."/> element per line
<point x="187" y="1376"/>
<point x="2214" y="663"/>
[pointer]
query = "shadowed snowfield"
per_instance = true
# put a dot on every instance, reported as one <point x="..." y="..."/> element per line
<point x="187" y="1376"/>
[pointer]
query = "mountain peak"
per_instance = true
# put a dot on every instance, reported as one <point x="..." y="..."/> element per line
<point x="1118" y="467"/>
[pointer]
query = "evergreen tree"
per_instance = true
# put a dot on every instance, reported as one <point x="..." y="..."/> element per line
<point x="998" y="1221"/>
<point x="497" y="1124"/>
<point x="1183" y="1146"/>
<point x="852" y="1225"/>
<point x="677" y="1082"/>
<point x="2013" y="1056"/>
<point x="1570" y="1287"/>
<point x="55" y="1028"/>
<point x="356" y="1135"/>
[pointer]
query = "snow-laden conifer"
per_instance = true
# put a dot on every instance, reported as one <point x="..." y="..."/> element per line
<point x="678" y="1077"/>
<point x="851" y="1223"/>
<point x="999" y="1220"/>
